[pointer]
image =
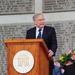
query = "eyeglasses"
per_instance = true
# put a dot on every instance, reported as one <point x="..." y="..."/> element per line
<point x="40" y="20"/>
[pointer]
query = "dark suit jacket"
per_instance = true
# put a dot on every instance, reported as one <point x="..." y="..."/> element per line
<point x="49" y="37"/>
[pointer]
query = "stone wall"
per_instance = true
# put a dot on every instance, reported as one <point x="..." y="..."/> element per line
<point x="65" y="31"/>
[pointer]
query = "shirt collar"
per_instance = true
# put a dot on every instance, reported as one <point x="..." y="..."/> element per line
<point x="38" y="29"/>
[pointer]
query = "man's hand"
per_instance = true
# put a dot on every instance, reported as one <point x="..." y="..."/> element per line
<point x="50" y="53"/>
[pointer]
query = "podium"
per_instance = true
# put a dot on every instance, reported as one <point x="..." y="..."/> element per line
<point x="36" y="47"/>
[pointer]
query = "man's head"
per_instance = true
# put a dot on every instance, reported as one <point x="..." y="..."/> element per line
<point x="39" y="20"/>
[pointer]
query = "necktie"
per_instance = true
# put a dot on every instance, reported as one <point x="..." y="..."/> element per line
<point x="39" y="35"/>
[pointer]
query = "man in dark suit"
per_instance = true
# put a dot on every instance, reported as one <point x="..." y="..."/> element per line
<point x="47" y="33"/>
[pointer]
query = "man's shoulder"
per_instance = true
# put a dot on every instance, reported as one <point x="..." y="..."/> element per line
<point x="49" y="27"/>
<point x="31" y="29"/>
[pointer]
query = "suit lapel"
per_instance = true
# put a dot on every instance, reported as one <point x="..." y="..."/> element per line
<point x="44" y="32"/>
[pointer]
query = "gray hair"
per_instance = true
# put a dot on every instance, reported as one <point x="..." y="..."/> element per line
<point x="34" y="17"/>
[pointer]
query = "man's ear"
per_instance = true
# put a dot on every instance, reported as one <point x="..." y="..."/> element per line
<point x="35" y="22"/>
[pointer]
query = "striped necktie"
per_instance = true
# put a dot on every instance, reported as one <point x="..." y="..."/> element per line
<point x="39" y="35"/>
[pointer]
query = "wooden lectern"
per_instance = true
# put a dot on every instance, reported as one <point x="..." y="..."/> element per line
<point x="37" y="48"/>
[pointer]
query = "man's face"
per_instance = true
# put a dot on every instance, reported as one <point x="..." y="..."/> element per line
<point x="39" y="21"/>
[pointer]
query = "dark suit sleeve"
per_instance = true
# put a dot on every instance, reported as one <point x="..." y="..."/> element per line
<point x="53" y="41"/>
<point x="49" y="36"/>
<point x="30" y="34"/>
<point x="27" y="35"/>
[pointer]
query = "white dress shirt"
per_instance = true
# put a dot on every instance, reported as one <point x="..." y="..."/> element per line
<point x="37" y="31"/>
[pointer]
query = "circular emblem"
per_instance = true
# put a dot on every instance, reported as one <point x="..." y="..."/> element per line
<point x="23" y="61"/>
